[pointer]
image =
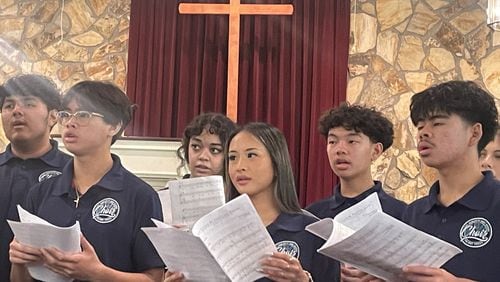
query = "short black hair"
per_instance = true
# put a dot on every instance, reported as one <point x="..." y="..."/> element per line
<point x="360" y="119"/>
<point x="104" y="98"/>
<point x="463" y="98"/>
<point x="32" y="85"/>
<point x="214" y="123"/>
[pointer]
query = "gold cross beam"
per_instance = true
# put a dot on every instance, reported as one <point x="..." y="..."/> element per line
<point x="234" y="9"/>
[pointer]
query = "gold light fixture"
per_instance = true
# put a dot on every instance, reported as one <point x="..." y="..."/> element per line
<point x="493" y="12"/>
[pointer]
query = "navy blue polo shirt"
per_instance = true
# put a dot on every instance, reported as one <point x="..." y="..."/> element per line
<point x="332" y="206"/>
<point x="471" y="223"/>
<point x="16" y="177"/>
<point x="290" y="237"/>
<point x="111" y="214"/>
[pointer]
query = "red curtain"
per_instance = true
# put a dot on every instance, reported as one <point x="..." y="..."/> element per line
<point x="292" y="68"/>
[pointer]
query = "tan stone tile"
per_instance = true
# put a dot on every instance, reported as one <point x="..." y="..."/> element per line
<point x="423" y="20"/>
<point x="469" y="20"/>
<point x="363" y="33"/>
<point x="491" y="72"/>
<point x="392" y="12"/>
<point x="411" y="53"/>
<point x="387" y="44"/>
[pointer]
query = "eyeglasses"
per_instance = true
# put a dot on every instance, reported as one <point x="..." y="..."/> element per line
<point x="80" y="117"/>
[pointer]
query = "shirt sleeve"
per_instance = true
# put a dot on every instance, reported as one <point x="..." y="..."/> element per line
<point x="145" y="255"/>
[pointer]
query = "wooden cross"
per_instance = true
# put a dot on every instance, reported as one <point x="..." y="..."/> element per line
<point x="234" y="9"/>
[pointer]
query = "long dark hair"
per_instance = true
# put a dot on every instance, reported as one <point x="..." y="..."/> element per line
<point x="275" y="143"/>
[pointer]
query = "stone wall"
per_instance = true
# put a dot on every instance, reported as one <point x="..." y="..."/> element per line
<point x="89" y="41"/>
<point x="400" y="47"/>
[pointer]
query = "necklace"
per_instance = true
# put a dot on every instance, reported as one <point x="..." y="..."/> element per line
<point x="78" y="194"/>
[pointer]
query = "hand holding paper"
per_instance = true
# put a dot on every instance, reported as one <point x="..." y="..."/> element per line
<point x="37" y="233"/>
<point x="365" y="237"/>
<point x="227" y="243"/>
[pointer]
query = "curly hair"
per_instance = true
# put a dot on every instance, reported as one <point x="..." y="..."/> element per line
<point x="360" y="119"/>
<point x="463" y="98"/>
<point x="214" y="123"/>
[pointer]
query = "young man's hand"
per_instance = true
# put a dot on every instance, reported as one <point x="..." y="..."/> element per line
<point x="352" y="274"/>
<point x="82" y="265"/>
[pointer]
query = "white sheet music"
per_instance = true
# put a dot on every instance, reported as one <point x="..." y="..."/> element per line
<point x="186" y="253"/>
<point x="36" y="232"/>
<point x="236" y="237"/>
<point x="227" y="243"/>
<point x="192" y="198"/>
<point x="381" y="245"/>
<point x="166" y="206"/>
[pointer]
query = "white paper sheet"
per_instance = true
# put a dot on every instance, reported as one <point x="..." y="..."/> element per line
<point x="166" y="206"/>
<point x="192" y="198"/>
<point x="36" y="232"/>
<point x="381" y="245"/>
<point x="181" y="251"/>
<point x="227" y="243"/>
<point x="236" y="237"/>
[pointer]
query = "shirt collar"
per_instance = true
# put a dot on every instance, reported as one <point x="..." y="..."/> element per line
<point x="113" y="180"/>
<point x="52" y="157"/>
<point x="287" y="221"/>
<point x="478" y="198"/>
<point x="338" y="199"/>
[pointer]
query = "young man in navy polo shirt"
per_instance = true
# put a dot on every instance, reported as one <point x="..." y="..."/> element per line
<point x="356" y="137"/>
<point x="28" y="105"/>
<point x="455" y="121"/>
<point x="110" y="203"/>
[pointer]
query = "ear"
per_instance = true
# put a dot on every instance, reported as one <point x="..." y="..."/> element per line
<point x="114" y="129"/>
<point x="477" y="133"/>
<point x="52" y="117"/>
<point x="377" y="150"/>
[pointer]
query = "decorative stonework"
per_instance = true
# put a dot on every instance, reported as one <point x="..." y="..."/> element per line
<point x="418" y="43"/>
<point x="93" y="43"/>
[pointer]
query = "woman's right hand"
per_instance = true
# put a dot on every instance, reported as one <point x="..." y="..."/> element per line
<point x="174" y="276"/>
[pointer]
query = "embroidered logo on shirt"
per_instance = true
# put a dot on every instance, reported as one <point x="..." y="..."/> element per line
<point x="476" y="232"/>
<point x="48" y="174"/>
<point x="290" y="248"/>
<point x="106" y="210"/>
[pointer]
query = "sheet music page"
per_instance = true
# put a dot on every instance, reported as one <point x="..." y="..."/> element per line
<point x="166" y="206"/>
<point x="325" y="229"/>
<point x="385" y="245"/>
<point x="192" y="198"/>
<point x="36" y="232"/>
<point x="181" y="251"/>
<point x="236" y="237"/>
<point x="358" y="215"/>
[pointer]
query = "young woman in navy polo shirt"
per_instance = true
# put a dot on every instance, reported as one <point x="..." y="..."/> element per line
<point x="110" y="203"/>
<point x="202" y="150"/>
<point x="258" y="164"/>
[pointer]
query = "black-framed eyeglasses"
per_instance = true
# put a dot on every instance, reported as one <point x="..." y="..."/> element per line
<point x="80" y="117"/>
